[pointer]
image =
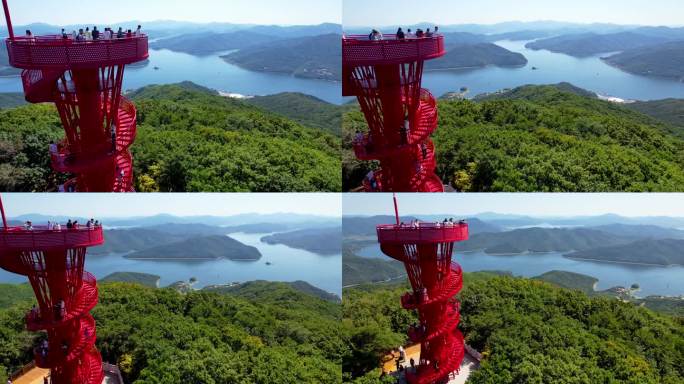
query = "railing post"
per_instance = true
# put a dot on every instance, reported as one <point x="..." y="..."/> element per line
<point x="8" y="19"/>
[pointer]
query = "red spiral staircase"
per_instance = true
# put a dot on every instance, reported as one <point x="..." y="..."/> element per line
<point x="53" y="260"/>
<point x="385" y="76"/>
<point x="426" y="251"/>
<point x="83" y="79"/>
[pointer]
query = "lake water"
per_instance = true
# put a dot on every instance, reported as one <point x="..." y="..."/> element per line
<point x="653" y="280"/>
<point x="288" y="264"/>
<point x="212" y="72"/>
<point x="590" y="73"/>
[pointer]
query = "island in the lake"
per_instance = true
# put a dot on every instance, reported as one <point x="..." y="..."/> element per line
<point x="663" y="252"/>
<point x="477" y="55"/>
<point x="313" y="57"/>
<point x="200" y="248"/>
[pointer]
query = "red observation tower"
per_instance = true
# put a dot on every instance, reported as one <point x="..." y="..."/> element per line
<point x="426" y="249"/>
<point x="385" y="76"/>
<point x="83" y="78"/>
<point x="53" y="261"/>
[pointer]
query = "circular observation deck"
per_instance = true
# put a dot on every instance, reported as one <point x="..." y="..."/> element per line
<point x="53" y="52"/>
<point x="40" y="238"/>
<point x="358" y="50"/>
<point x="422" y="233"/>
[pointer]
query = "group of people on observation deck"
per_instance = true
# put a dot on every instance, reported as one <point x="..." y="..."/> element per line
<point x="86" y="34"/>
<point x="376" y="35"/>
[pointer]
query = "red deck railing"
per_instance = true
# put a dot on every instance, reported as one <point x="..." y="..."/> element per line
<point x="423" y="233"/>
<point x="358" y="50"/>
<point x="56" y="53"/>
<point x="40" y="238"/>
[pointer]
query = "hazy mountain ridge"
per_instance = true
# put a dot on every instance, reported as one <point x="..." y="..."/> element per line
<point x="324" y="241"/>
<point x="588" y="44"/>
<point x="208" y="43"/>
<point x="612" y="242"/>
<point x="540" y="240"/>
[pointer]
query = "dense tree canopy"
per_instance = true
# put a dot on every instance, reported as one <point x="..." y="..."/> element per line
<point x="188" y="140"/>
<point x="529" y="332"/>
<point x="541" y="138"/>
<point x="270" y="334"/>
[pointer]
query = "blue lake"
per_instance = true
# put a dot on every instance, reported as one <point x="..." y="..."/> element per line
<point x="590" y="73"/>
<point x="288" y="264"/>
<point x="653" y="280"/>
<point x="212" y="72"/>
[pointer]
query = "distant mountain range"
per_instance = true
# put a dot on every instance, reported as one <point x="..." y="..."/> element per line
<point x="540" y="240"/>
<point x="646" y="51"/>
<point x="208" y="43"/>
<point x="588" y="44"/>
<point x="177" y="240"/>
<point x="166" y="220"/>
<point x="614" y="242"/>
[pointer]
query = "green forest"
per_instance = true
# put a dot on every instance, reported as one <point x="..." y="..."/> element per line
<point x="546" y="139"/>
<point x="266" y="333"/>
<point x="528" y="331"/>
<point x="189" y="139"/>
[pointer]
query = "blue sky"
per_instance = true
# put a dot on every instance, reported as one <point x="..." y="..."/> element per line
<point x="393" y="12"/>
<point x="180" y="204"/>
<point x="280" y="12"/>
<point x="539" y="204"/>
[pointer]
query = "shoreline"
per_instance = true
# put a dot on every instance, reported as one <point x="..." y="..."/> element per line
<point x="624" y="262"/>
<point x="185" y="259"/>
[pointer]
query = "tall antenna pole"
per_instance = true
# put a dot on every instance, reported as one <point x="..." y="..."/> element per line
<point x="396" y="208"/>
<point x="2" y="210"/>
<point x="8" y="19"/>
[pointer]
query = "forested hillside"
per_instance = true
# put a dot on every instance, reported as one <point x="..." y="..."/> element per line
<point x="528" y="331"/>
<point x="304" y="109"/>
<point x="664" y="60"/>
<point x="312" y="57"/>
<point x="542" y="138"/>
<point x="189" y="139"/>
<point x="274" y="334"/>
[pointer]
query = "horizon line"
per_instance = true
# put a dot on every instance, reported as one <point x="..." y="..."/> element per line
<point x="590" y="23"/>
